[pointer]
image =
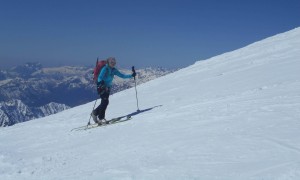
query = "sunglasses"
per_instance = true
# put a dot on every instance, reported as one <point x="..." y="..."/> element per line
<point x="112" y="62"/>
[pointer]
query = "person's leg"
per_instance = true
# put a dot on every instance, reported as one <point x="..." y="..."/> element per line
<point x="100" y="110"/>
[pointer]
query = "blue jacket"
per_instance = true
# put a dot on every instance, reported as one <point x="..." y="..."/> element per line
<point x="107" y="75"/>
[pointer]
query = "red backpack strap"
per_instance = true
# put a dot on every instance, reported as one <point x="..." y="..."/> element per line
<point x="98" y="68"/>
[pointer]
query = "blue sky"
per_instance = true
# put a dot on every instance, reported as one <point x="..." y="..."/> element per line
<point x="165" y="33"/>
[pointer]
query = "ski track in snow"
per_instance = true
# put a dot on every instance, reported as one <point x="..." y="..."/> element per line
<point x="234" y="116"/>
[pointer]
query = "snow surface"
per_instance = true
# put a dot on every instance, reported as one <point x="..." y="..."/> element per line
<point x="234" y="116"/>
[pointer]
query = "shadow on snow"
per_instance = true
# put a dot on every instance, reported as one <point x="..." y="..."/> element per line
<point x="139" y="111"/>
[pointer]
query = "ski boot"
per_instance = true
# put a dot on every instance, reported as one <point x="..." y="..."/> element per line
<point x="103" y="121"/>
<point x="95" y="119"/>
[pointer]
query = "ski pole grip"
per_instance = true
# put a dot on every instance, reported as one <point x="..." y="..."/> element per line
<point x="133" y="70"/>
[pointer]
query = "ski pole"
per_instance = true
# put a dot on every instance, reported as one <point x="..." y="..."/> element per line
<point x="137" y="100"/>
<point x="92" y="112"/>
<point x="95" y="82"/>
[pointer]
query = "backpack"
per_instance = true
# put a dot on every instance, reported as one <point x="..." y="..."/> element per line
<point x="99" y="65"/>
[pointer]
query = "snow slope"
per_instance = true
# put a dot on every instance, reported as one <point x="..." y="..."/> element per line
<point x="235" y="116"/>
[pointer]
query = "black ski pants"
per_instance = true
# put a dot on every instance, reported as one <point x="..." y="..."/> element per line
<point x="100" y="110"/>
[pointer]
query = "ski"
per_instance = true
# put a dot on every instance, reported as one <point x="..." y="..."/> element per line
<point x="108" y="122"/>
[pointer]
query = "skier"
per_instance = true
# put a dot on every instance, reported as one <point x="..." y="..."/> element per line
<point x="104" y="84"/>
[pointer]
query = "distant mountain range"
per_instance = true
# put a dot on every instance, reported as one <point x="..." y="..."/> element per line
<point x="30" y="91"/>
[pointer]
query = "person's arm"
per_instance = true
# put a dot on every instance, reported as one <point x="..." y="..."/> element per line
<point x="124" y="76"/>
<point x="102" y="74"/>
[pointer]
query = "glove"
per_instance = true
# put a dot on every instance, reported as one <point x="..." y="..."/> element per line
<point x="101" y="87"/>
<point x="133" y="74"/>
<point x="101" y="83"/>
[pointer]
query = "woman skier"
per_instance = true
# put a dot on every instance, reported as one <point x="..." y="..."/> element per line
<point x="104" y="84"/>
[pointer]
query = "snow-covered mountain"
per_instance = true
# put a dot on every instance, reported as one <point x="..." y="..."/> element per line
<point x="35" y="87"/>
<point x="234" y="116"/>
<point x="15" y="111"/>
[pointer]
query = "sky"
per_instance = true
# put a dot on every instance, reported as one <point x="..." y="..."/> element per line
<point x="158" y="33"/>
